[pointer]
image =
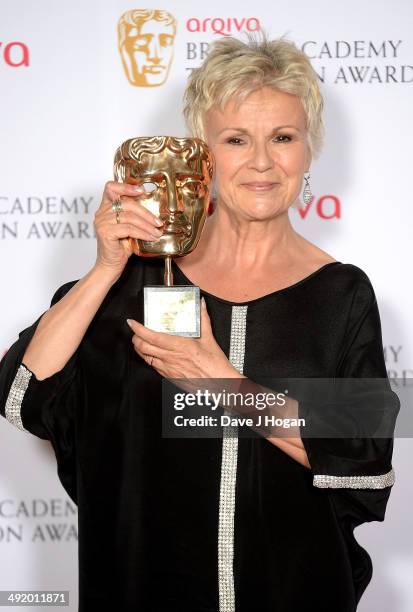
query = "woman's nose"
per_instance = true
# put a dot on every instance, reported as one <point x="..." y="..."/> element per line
<point x="261" y="158"/>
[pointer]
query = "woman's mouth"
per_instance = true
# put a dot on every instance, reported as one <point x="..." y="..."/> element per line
<point x="259" y="186"/>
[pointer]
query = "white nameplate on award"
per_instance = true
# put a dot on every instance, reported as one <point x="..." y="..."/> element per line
<point x="173" y="310"/>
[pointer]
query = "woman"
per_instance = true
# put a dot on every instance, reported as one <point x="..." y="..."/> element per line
<point x="232" y="524"/>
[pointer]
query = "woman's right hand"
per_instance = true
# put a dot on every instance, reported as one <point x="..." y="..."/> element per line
<point x="135" y="221"/>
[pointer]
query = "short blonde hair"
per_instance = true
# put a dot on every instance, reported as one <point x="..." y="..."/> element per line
<point x="233" y="67"/>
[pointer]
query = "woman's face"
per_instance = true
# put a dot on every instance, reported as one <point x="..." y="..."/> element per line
<point x="261" y="152"/>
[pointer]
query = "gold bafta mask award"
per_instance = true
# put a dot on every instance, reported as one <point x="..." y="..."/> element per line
<point x="175" y="174"/>
<point x="145" y="40"/>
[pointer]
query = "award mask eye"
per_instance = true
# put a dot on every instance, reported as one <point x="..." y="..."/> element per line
<point x="193" y="189"/>
<point x="149" y="188"/>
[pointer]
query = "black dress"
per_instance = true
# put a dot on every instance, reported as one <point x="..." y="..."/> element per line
<point x="208" y="525"/>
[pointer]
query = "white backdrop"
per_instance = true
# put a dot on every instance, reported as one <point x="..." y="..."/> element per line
<point x="66" y="105"/>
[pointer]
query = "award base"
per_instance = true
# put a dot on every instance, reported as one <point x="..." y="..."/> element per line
<point x="173" y="310"/>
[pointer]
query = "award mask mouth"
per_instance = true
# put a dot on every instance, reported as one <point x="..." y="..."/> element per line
<point x="178" y="229"/>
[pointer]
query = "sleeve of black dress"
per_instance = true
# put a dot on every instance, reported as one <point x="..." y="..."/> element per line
<point x="44" y="408"/>
<point x="357" y="471"/>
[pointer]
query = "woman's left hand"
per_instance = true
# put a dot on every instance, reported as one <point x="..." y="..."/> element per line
<point x="182" y="357"/>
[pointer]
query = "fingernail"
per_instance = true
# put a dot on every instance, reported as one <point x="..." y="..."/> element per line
<point x="137" y="188"/>
<point x="129" y="322"/>
<point x="158" y="222"/>
<point x="203" y="302"/>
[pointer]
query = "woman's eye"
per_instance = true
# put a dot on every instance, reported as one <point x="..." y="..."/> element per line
<point x="283" y="138"/>
<point x="234" y="140"/>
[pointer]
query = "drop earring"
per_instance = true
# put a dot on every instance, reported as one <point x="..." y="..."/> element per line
<point x="307" y="195"/>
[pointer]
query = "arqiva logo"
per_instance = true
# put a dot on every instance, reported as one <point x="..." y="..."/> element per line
<point x="326" y="207"/>
<point x="15" y="54"/>
<point x="224" y="26"/>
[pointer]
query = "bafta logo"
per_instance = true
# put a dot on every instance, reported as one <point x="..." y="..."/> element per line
<point x="145" y="41"/>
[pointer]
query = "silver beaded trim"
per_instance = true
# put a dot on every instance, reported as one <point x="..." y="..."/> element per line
<point x="355" y="482"/>
<point x="238" y="331"/>
<point x="226" y="586"/>
<point x="16" y="395"/>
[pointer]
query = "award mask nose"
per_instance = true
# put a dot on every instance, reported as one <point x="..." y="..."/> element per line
<point x="172" y="200"/>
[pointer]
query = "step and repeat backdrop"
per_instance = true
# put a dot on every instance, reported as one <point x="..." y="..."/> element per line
<point x="77" y="78"/>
